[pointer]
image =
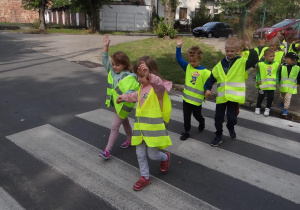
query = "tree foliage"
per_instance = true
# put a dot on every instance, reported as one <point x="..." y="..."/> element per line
<point x="201" y="16"/>
<point x="40" y="6"/>
<point x="277" y="10"/>
<point x="233" y="7"/>
<point x="91" y="8"/>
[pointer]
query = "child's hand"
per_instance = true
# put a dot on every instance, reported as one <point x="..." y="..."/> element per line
<point x="179" y="42"/>
<point x="255" y="69"/>
<point x="119" y="99"/>
<point x="106" y="42"/>
<point x="259" y="82"/>
<point x="207" y="93"/>
<point x="247" y="41"/>
<point x="143" y="70"/>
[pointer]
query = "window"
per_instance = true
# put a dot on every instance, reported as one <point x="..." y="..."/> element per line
<point x="208" y="11"/>
<point x="183" y="13"/>
<point x="216" y="11"/>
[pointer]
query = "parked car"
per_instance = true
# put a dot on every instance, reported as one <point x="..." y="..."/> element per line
<point x="213" y="29"/>
<point x="287" y="27"/>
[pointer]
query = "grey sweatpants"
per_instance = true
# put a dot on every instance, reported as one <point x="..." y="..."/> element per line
<point x="153" y="153"/>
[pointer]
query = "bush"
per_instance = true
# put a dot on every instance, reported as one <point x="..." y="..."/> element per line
<point x="200" y="19"/>
<point x="36" y="23"/>
<point x="161" y="29"/>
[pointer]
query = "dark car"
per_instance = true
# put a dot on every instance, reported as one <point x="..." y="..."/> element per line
<point x="287" y="27"/>
<point x="213" y="29"/>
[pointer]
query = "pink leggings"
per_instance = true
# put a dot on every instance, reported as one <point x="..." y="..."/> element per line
<point x="114" y="132"/>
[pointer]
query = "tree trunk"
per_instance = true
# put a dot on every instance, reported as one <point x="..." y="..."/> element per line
<point x="94" y="15"/>
<point x="169" y="12"/>
<point x="42" y="26"/>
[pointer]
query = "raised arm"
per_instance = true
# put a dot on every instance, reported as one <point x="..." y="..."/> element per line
<point x="179" y="58"/>
<point x="104" y="55"/>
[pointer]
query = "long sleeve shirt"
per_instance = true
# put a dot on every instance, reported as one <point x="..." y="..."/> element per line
<point x="116" y="77"/>
<point x="227" y="64"/>
<point x="159" y="86"/>
<point x="183" y="64"/>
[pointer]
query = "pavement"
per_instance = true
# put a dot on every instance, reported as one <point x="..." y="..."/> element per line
<point x="85" y="50"/>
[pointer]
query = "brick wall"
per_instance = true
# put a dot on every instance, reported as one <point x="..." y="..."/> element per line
<point x="12" y="11"/>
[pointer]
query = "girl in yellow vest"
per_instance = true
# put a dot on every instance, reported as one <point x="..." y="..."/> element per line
<point x="289" y="78"/>
<point x="153" y="112"/>
<point x="120" y="80"/>
<point x="266" y="79"/>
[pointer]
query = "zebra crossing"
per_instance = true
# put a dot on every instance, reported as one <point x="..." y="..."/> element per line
<point x="250" y="178"/>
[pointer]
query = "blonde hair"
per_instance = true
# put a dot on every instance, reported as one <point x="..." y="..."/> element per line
<point x="121" y="58"/>
<point x="232" y="42"/>
<point x="195" y="50"/>
<point x="150" y="63"/>
<point x="275" y="41"/>
<point x="268" y="51"/>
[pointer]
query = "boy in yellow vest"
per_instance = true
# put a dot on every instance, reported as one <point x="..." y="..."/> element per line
<point x="230" y="77"/>
<point x="266" y="79"/>
<point x="193" y="93"/>
<point x="289" y="78"/>
<point x="261" y="47"/>
<point x="279" y="54"/>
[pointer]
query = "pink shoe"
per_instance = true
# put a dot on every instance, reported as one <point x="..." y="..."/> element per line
<point x="105" y="154"/>
<point x="126" y="144"/>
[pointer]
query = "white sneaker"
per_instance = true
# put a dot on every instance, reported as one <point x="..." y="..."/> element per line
<point x="267" y="112"/>
<point x="257" y="110"/>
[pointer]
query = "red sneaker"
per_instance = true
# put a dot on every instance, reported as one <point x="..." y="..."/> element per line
<point x="164" y="165"/>
<point x="141" y="183"/>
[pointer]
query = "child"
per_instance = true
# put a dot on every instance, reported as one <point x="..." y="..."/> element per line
<point x="267" y="79"/>
<point x="289" y="78"/>
<point x="153" y="112"/>
<point x="193" y="93"/>
<point x="230" y="76"/>
<point x="279" y="55"/>
<point x="120" y="80"/>
<point x="261" y="47"/>
<point x="295" y="48"/>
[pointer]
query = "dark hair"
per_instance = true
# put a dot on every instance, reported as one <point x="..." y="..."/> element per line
<point x="268" y="51"/>
<point x="121" y="58"/>
<point x="195" y="50"/>
<point x="150" y="63"/>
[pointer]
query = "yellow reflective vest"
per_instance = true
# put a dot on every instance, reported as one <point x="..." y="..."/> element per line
<point x="123" y="109"/>
<point x="298" y="53"/>
<point x="288" y="84"/>
<point x="278" y="56"/>
<point x="151" y="120"/>
<point x="195" y="79"/>
<point x="261" y="54"/>
<point x="268" y="73"/>
<point x="231" y="86"/>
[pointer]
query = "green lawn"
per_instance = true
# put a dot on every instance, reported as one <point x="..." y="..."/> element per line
<point x="163" y="52"/>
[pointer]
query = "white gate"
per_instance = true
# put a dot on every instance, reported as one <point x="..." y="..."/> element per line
<point x="125" y="18"/>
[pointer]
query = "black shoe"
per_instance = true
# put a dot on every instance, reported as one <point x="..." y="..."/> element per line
<point x="201" y="127"/>
<point x="232" y="133"/>
<point x="217" y="140"/>
<point x="184" y="136"/>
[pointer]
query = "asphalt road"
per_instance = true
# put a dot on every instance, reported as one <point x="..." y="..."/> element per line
<point x="54" y="123"/>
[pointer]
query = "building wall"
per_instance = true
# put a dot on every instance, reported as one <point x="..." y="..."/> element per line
<point x="11" y="11"/>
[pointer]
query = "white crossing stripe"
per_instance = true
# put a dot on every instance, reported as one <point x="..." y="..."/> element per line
<point x="7" y="202"/>
<point x="244" y="114"/>
<point x="110" y="180"/>
<point x="268" y="141"/>
<point x="263" y="176"/>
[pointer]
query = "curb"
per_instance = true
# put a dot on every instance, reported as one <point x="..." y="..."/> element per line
<point x="249" y="105"/>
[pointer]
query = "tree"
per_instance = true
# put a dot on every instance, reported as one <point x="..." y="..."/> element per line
<point x="91" y="8"/>
<point x="39" y="5"/>
<point x="278" y="10"/>
<point x="201" y="16"/>
<point x="233" y="7"/>
<point x="169" y="10"/>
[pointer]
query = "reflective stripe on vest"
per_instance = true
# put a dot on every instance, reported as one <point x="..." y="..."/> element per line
<point x="288" y="84"/>
<point x="231" y="87"/>
<point x="123" y="109"/>
<point x="150" y="122"/>
<point x="268" y="73"/>
<point x="195" y="79"/>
